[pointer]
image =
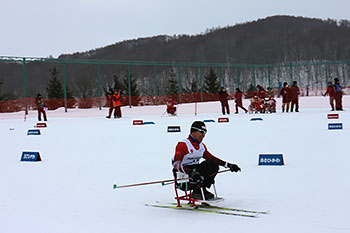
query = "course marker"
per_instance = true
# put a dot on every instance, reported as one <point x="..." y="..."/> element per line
<point x="223" y="119"/>
<point x="34" y="132"/>
<point x="333" y="116"/>
<point x="137" y="122"/>
<point x="174" y="129"/>
<point x="30" y="156"/>
<point x="335" y="126"/>
<point x="271" y="159"/>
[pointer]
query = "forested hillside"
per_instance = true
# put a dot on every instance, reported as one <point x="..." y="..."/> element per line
<point x="273" y="40"/>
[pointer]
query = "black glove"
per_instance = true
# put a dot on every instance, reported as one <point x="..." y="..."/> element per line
<point x="233" y="167"/>
<point x="196" y="178"/>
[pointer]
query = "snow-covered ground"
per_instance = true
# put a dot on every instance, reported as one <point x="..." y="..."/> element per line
<point x="84" y="154"/>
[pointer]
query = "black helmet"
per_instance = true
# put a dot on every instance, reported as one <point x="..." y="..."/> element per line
<point x="198" y="126"/>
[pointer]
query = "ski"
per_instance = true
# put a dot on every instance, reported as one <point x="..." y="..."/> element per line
<point x="209" y="206"/>
<point x="203" y="210"/>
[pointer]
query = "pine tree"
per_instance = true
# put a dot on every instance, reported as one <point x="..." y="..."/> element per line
<point x="55" y="88"/>
<point x="134" y="92"/>
<point x="133" y="86"/>
<point x="1" y="96"/>
<point x="194" y="87"/>
<point x="173" y="88"/>
<point x="211" y="84"/>
<point x="117" y="85"/>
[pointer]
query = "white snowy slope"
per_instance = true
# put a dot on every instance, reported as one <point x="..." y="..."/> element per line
<point x="84" y="154"/>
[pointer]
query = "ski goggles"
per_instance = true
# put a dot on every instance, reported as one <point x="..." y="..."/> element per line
<point x="203" y="131"/>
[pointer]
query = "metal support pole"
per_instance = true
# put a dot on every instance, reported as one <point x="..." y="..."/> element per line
<point x="269" y="75"/>
<point x="64" y="86"/>
<point x="99" y="86"/>
<point x="25" y="85"/>
<point x="201" y="81"/>
<point x="179" y="84"/>
<point x="129" y="85"/>
<point x="220" y="77"/>
<point x="155" y="84"/>
<point x="237" y="76"/>
<point x="327" y="73"/>
<point x="254" y="81"/>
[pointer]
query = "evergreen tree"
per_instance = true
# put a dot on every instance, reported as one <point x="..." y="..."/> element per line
<point x="133" y="86"/>
<point x="194" y="87"/>
<point x="173" y="88"/>
<point x="1" y="96"/>
<point x="55" y="88"/>
<point x="211" y="84"/>
<point x="134" y="92"/>
<point x="117" y="85"/>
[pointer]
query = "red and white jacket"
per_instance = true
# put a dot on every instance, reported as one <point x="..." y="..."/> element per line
<point x="189" y="152"/>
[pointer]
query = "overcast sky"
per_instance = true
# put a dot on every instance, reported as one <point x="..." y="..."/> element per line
<point x="40" y="28"/>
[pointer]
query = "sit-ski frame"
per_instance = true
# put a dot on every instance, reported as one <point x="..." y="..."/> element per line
<point x="183" y="178"/>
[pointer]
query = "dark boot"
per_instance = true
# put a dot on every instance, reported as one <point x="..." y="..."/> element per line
<point x="197" y="194"/>
<point x="208" y="195"/>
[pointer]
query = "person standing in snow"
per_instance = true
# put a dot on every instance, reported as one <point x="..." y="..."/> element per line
<point x="223" y="97"/>
<point x="238" y="100"/>
<point x="294" y="96"/>
<point x="330" y="92"/>
<point x="186" y="160"/>
<point x="338" y="95"/>
<point x="40" y="104"/>
<point x="285" y="93"/>
<point x="115" y="105"/>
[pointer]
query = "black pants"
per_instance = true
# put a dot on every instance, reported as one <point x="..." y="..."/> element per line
<point x="208" y="170"/>
<point x="224" y="105"/>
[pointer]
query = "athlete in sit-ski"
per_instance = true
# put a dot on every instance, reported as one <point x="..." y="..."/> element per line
<point x="187" y="155"/>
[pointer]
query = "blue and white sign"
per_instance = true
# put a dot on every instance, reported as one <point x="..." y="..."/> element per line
<point x="271" y="159"/>
<point x="28" y="156"/>
<point x="210" y="120"/>
<point x="332" y="126"/>
<point x="33" y="132"/>
<point x="148" y="123"/>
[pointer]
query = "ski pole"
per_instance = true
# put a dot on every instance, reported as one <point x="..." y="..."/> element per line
<point x="145" y="183"/>
<point x="173" y="181"/>
<point x="163" y="182"/>
<point x="163" y="113"/>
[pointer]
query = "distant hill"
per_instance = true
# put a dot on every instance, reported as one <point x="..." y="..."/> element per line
<point x="276" y="39"/>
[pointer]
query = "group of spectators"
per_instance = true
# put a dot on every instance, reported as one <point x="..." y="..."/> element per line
<point x="335" y="95"/>
<point x="263" y="102"/>
<point x="260" y="103"/>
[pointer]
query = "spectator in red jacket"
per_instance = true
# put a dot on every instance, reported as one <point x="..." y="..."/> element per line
<point x="40" y="104"/>
<point x="338" y="95"/>
<point x="330" y="92"/>
<point x="171" y="107"/>
<point x="294" y="96"/>
<point x="186" y="160"/>
<point x="238" y="100"/>
<point x="285" y="93"/>
<point x="223" y="97"/>
<point x="115" y="105"/>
